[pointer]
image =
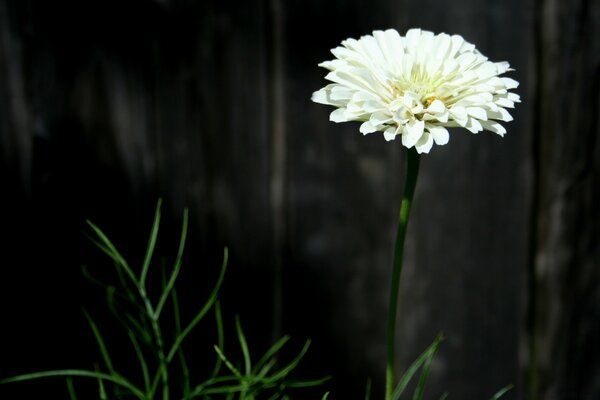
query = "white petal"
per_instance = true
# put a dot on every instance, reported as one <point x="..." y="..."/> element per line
<point x="341" y="93"/>
<point x="440" y="134"/>
<point x="412" y="132"/>
<point x="412" y="40"/>
<point x="500" y="114"/>
<point x="443" y="44"/>
<point x="474" y="125"/>
<point x="504" y="102"/>
<point x="320" y="96"/>
<point x="389" y="134"/>
<point x="478" y="113"/>
<point x="502" y="67"/>
<point x="380" y="118"/>
<point x="364" y="96"/>
<point x="373" y="106"/>
<point x="436" y="107"/>
<point x="338" y="115"/>
<point x="459" y="114"/>
<point x="510" y="83"/>
<point x="494" y="127"/>
<point x="425" y="143"/>
<point x="514" y="97"/>
<point x="367" y="127"/>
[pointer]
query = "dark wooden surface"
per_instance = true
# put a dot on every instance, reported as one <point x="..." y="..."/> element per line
<point x="108" y="105"/>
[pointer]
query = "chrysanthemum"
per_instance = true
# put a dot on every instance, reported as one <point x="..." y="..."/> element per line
<point x="416" y="86"/>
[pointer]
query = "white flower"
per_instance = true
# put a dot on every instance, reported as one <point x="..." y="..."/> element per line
<point x="416" y="86"/>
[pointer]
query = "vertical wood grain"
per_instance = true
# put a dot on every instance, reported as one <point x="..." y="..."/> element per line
<point x="207" y="103"/>
<point x="565" y="278"/>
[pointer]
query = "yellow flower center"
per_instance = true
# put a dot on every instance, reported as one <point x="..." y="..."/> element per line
<point x="427" y="102"/>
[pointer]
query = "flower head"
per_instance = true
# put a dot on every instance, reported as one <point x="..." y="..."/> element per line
<point x="416" y="86"/>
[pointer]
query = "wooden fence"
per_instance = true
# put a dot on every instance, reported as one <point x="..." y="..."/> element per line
<point x="107" y="105"/>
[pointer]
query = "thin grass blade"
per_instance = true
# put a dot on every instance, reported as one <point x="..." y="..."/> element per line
<point x="414" y="367"/>
<point x="420" y="389"/>
<point x="116" y="379"/>
<point x="282" y="373"/>
<point x="228" y="364"/>
<point x="112" y="252"/>
<point x="209" y="303"/>
<point x="307" y="382"/>
<point x="165" y="294"/>
<point x="141" y="359"/>
<point x="199" y="389"/>
<point x="71" y="389"/>
<point x="101" y="345"/>
<point x="220" y="338"/>
<point x="101" y="389"/>
<point x="182" y="361"/>
<point x="151" y="244"/>
<point x="265" y="369"/>
<point x="243" y="346"/>
<point x="501" y="392"/>
<point x="155" y="381"/>
<point x="271" y="352"/>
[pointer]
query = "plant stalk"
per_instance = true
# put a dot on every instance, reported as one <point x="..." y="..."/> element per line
<point x="412" y="172"/>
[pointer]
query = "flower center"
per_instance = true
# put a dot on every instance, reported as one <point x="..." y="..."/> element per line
<point x="424" y="89"/>
<point x="427" y="102"/>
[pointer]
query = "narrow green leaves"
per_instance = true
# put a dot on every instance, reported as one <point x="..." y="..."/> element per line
<point x="151" y="244"/>
<point x="428" y="354"/>
<point x="139" y="315"/>
<point x="117" y="380"/>
<point x="207" y="306"/>
<point x="101" y="345"/>
<point x="501" y="392"/>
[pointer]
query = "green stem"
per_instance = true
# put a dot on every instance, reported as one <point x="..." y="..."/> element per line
<point x="412" y="173"/>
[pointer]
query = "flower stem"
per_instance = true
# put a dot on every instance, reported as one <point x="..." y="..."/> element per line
<point x="412" y="172"/>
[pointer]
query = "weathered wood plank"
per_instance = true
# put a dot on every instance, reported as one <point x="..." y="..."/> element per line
<point x="207" y="103"/>
<point x="564" y="297"/>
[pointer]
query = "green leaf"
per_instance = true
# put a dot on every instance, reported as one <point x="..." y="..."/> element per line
<point x="129" y="322"/>
<point x="271" y="352"/>
<point x="182" y="361"/>
<point x="228" y="364"/>
<point x="199" y="389"/>
<point x="368" y="389"/>
<point x="325" y="396"/>
<point x="265" y="369"/>
<point x="116" y="379"/>
<point x="141" y="359"/>
<point x="243" y="345"/>
<point x="209" y="303"/>
<point x="176" y="267"/>
<point x="307" y="382"/>
<point x="101" y="345"/>
<point x="101" y="389"/>
<point x="444" y="396"/>
<point x="420" y="389"/>
<point x="155" y="381"/>
<point x="151" y="244"/>
<point x="282" y="373"/>
<point x="71" y="389"/>
<point x="107" y="247"/>
<point x="501" y="392"/>
<point x="414" y="367"/>
<point x="220" y="338"/>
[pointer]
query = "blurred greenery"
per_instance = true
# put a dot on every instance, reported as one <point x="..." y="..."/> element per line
<point x="163" y="367"/>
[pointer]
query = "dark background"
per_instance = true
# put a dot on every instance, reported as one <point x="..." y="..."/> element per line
<point x="105" y="106"/>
